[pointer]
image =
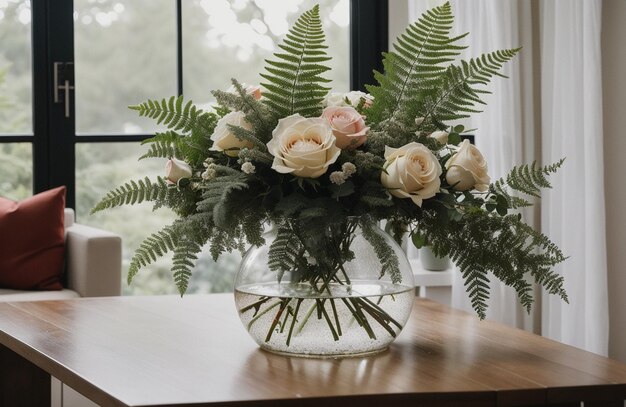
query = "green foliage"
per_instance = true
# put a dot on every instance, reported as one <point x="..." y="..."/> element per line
<point x="134" y="192"/>
<point x="458" y="91"/>
<point x="172" y="113"/>
<point x="527" y="179"/>
<point x="294" y="81"/>
<point x="164" y="145"/>
<point x="384" y="252"/>
<point x="153" y="247"/>
<point x="285" y="251"/>
<point x="218" y="195"/>
<point x="415" y="65"/>
<point x="482" y="243"/>
<point x="257" y="113"/>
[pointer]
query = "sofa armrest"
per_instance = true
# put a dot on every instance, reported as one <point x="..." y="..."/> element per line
<point x="94" y="261"/>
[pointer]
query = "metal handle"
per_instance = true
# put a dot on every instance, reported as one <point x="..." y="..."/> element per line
<point x="63" y="74"/>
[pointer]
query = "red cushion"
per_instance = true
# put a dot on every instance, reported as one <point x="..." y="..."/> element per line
<point x="32" y="241"/>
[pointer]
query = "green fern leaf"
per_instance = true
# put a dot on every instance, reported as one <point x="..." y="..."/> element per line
<point x="293" y="80"/>
<point x="153" y="247"/>
<point x="134" y="192"/>
<point x="174" y="115"/>
<point x="163" y="145"/>
<point x="458" y="91"/>
<point x="284" y="251"/>
<point x="527" y="179"/>
<point x="387" y="257"/>
<point x="415" y="64"/>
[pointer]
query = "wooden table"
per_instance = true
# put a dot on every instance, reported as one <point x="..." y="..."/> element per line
<point x="147" y="351"/>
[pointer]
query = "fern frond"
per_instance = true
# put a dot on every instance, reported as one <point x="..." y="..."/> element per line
<point x="153" y="247"/>
<point x="293" y="79"/>
<point x="415" y="64"/>
<point x="257" y="113"/>
<point x="387" y="257"/>
<point x="218" y="192"/>
<point x="174" y="115"/>
<point x="185" y="257"/>
<point x="134" y="192"/>
<point x="459" y="89"/>
<point x="284" y="251"/>
<point x="247" y="135"/>
<point x="483" y="243"/>
<point x="527" y="179"/>
<point x="163" y="145"/>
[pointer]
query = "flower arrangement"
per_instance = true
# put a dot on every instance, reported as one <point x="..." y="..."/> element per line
<point x="291" y="152"/>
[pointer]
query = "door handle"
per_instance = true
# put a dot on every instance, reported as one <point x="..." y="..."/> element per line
<point x="63" y="82"/>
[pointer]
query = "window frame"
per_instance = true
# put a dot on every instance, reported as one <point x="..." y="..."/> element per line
<point x="54" y="136"/>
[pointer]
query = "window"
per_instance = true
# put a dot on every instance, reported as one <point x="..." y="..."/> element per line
<point x="116" y="53"/>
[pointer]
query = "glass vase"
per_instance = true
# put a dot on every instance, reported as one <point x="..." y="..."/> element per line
<point x="325" y="289"/>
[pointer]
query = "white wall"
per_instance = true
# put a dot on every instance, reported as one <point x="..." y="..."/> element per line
<point x="614" y="105"/>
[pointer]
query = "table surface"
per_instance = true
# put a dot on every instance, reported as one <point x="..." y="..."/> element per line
<point x="167" y="350"/>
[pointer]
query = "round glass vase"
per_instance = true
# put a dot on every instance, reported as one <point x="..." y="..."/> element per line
<point x="325" y="290"/>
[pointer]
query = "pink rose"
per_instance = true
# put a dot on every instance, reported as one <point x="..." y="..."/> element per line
<point x="348" y="126"/>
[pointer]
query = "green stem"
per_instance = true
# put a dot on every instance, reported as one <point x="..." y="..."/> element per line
<point x="253" y="320"/>
<point x="332" y="304"/>
<point x="283" y="305"/>
<point x="306" y="318"/>
<point x="293" y="320"/>
<point x="320" y="304"/>
<point x="256" y="305"/>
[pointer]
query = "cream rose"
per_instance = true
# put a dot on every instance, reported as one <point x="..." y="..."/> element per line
<point x="412" y="171"/>
<point x="348" y="126"/>
<point x="440" y="136"/>
<point x="304" y="147"/>
<point x="467" y="169"/>
<point x="177" y="169"/>
<point x="339" y="99"/>
<point x="224" y="139"/>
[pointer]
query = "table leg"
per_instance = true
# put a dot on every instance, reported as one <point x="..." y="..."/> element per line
<point x="21" y="382"/>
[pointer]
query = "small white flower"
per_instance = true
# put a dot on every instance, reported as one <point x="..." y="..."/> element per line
<point x="337" y="177"/>
<point x="209" y="174"/>
<point x="310" y="259"/>
<point x="419" y="120"/>
<point x="348" y="169"/>
<point x="440" y="136"/>
<point x="207" y="163"/>
<point x="248" y="167"/>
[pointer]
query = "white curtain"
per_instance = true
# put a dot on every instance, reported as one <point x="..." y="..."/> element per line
<point x="512" y="130"/>
<point x="573" y="213"/>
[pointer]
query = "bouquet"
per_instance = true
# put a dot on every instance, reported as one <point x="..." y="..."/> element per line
<point x="308" y="161"/>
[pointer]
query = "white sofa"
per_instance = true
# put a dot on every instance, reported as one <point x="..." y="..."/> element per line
<point x="93" y="265"/>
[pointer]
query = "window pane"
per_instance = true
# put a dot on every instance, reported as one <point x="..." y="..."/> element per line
<point x="125" y="53"/>
<point x="16" y="170"/>
<point x="231" y="39"/>
<point x="102" y="166"/>
<point x="15" y="67"/>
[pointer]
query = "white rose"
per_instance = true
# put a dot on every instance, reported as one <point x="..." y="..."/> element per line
<point x="339" y="99"/>
<point x="412" y="171"/>
<point x="467" y="169"/>
<point x="224" y="139"/>
<point x="304" y="147"/>
<point x="440" y="136"/>
<point x="177" y="169"/>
